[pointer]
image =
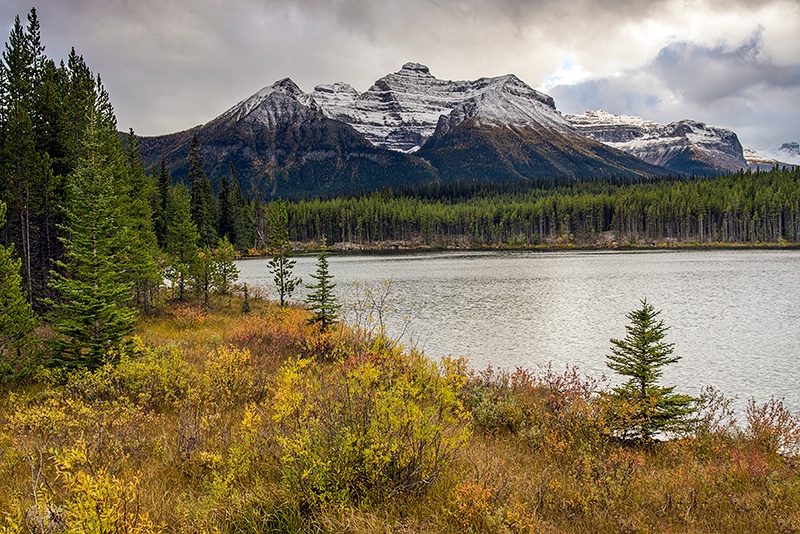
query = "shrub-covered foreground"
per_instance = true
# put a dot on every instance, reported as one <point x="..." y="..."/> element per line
<point x="218" y="421"/>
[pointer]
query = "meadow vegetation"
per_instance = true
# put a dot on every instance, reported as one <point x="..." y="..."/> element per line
<point x="217" y="421"/>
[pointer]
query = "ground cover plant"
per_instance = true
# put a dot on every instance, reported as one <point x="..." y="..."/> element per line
<point x="217" y="420"/>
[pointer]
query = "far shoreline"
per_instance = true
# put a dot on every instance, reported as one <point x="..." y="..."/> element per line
<point x="346" y="247"/>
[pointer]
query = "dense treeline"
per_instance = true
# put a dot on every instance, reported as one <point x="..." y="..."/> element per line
<point x="760" y="207"/>
<point x="87" y="236"/>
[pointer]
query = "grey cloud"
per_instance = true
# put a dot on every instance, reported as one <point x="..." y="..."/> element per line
<point x="172" y="64"/>
<point x="734" y="88"/>
<point x="705" y="75"/>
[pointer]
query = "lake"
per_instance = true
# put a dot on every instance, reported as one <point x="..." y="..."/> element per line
<point x="733" y="314"/>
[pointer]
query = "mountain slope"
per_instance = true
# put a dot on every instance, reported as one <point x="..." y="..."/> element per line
<point x="408" y="128"/>
<point x="685" y="146"/>
<point x="509" y="129"/>
<point x="281" y="144"/>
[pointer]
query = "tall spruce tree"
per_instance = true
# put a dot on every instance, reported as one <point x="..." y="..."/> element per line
<point x="182" y="238"/>
<point x="93" y="313"/>
<point x="281" y="265"/>
<point x="22" y="165"/>
<point x="16" y="316"/>
<point x="646" y="408"/>
<point x="321" y="299"/>
<point x="162" y="213"/>
<point x="202" y="205"/>
<point x="140" y="265"/>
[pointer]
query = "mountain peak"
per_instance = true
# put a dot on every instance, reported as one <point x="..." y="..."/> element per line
<point x="287" y="85"/>
<point x="687" y="145"/>
<point x="415" y="68"/>
<point x="791" y="148"/>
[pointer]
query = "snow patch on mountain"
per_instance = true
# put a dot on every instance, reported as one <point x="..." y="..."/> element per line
<point x="663" y="144"/>
<point x="787" y="153"/>
<point x="278" y="103"/>
<point x="402" y="110"/>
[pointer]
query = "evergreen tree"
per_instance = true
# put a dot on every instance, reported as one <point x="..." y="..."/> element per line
<point x="16" y="316"/>
<point x="203" y="208"/>
<point x="22" y="165"/>
<point x="202" y="275"/>
<point x="162" y="213"/>
<point x="141" y="246"/>
<point x="94" y="313"/>
<point x="225" y="271"/>
<point x="321" y="299"/>
<point x="281" y="264"/>
<point x="182" y="238"/>
<point x="227" y="212"/>
<point x="646" y="407"/>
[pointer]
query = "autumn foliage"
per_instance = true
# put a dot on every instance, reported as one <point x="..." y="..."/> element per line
<point x="218" y="421"/>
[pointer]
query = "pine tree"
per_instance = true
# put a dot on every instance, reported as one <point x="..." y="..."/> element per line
<point x="227" y="212"/>
<point x="94" y="313"/>
<point x="646" y="408"/>
<point x="140" y="265"/>
<point x="321" y="299"/>
<point x="16" y="316"/>
<point x="182" y="238"/>
<point x="225" y="271"/>
<point x="281" y="264"/>
<point x="162" y="213"/>
<point x="22" y="165"/>
<point x="202" y="205"/>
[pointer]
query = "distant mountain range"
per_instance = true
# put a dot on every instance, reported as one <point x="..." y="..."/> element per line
<point x="412" y="128"/>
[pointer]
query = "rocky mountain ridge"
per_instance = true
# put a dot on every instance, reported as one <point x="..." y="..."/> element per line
<point x="403" y="109"/>
<point x="684" y="146"/>
<point x="410" y="127"/>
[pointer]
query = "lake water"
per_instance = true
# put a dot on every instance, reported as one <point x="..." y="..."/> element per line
<point x="734" y="315"/>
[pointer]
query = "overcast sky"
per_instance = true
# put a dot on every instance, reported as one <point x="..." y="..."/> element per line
<point x="172" y="64"/>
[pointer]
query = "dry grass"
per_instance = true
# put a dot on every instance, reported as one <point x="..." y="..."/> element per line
<point x="185" y="426"/>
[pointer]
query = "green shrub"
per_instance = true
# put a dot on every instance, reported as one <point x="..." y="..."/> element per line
<point x="368" y="428"/>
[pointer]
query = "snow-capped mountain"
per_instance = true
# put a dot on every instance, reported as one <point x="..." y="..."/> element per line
<point x="684" y="146"/>
<point x="408" y="128"/>
<point x="403" y="109"/>
<point x="788" y="154"/>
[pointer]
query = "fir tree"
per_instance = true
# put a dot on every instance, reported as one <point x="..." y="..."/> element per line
<point x="227" y="212"/>
<point x="94" y="313"/>
<point x="646" y="407"/>
<point x="22" y="163"/>
<point x="281" y="264"/>
<point x="16" y="316"/>
<point x="202" y="205"/>
<point x="182" y="238"/>
<point x="141" y="245"/>
<point x="162" y="214"/>
<point x="225" y="272"/>
<point x="321" y="299"/>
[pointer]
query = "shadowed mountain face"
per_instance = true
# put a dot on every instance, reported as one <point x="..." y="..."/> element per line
<point x="280" y="144"/>
<point x="409" y="128"/>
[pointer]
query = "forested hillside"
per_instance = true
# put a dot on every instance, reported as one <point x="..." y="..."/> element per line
<point x="746" y="208"/>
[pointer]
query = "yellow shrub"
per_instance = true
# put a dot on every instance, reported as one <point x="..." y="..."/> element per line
<point x="367" y="428"/>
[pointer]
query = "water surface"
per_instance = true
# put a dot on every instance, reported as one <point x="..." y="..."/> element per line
<point x="733" y="315"/>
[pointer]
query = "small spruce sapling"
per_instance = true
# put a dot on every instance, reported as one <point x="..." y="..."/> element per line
<point x="281" y="264"/>
<point x="321" y="299"/>
<point x="643" y="408"/>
